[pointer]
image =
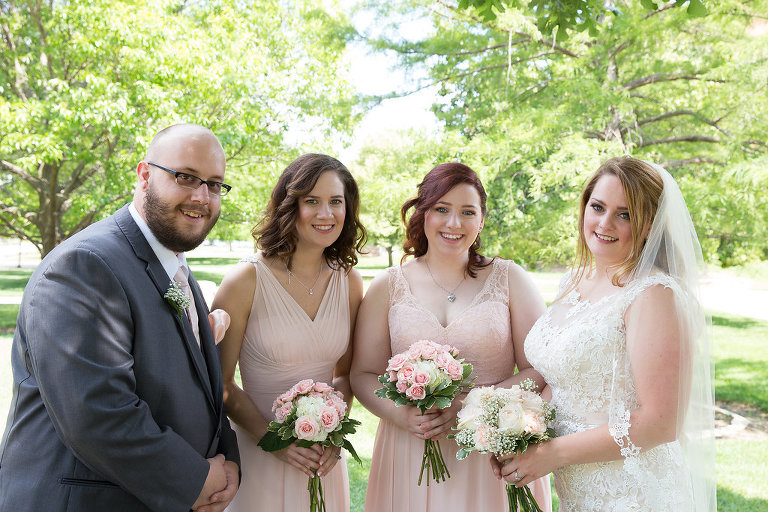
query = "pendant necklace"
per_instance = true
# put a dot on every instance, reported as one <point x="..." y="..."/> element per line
<point x="451" y="293"/>
<point x="310" y="289"/>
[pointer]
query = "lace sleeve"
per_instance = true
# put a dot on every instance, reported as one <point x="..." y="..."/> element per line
<point x="619" y="429"/>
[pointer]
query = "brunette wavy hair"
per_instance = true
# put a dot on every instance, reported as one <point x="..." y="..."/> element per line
<point x="438" y="182"/>
<point x="642" y="186"/>
<point x="275" y="234"/>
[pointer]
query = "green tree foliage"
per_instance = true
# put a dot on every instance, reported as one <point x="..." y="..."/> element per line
<point x="84" y="85"/>
<point x="652" y="81"/>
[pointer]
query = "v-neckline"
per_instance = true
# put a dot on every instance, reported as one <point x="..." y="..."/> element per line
<point x="432" y="314"/>
<point x="295" y="303"/>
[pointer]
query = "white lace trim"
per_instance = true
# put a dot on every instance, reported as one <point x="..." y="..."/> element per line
<point x="620" y="432"/>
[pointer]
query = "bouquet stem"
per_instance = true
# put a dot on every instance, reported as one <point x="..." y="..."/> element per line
<point x="316" y="498"/>
<point x="433" y="458"/>
<point x="521" y="499"/>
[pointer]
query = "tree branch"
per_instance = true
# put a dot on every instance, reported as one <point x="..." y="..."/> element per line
<point x="683" y="138"/>
<point x="661" y="77"/>
<point x="689" y="161"/>
<point x="663" y="8"/>
<point x="677" y="113"/>
<point x="18" y="171"/>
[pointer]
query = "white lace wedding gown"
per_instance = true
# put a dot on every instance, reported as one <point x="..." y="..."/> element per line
<point x="580" y="349"/>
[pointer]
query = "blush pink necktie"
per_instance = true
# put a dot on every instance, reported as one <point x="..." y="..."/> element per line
<point x="183" y="282"/>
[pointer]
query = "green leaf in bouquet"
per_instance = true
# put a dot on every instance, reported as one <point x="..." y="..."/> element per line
<point x="336" y="438"/>
<point x="444" y="384"/>
<point x="305" y="443"/>
<point x="401" y="400"/>
<point x="393" y="394"/>
<point x="463" y="453"/>
<point x="272" y="442"/>
<point x="450" y="391"/>
<point x="351" y="450"/>
<point x="384" y="379"/>
<point x="349" y="426"/>
<point x="382" y="392"/>
<point x="443" y="402"/>
<point x="467" y="370"/>
<point x="551" y="432"/>
<point x="522" y="445"/>
<point x="274" y="425"/>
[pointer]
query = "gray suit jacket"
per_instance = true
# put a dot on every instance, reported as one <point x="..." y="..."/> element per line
<point x="115" y="407"/>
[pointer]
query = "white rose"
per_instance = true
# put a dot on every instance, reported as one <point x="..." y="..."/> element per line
<point x="467" y="416"/>
<point x="533" y="403"/>
<point x="512" y="418"/>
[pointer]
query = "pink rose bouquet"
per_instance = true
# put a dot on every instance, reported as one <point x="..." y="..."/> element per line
<point x="502" y="421"/>
<point x="310" y="413"/>
<point x="426" y="375"/>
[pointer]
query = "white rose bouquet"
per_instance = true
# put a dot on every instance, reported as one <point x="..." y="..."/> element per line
<point x="502" y="421"/>
<point x="426" y="375"/>
<point x="310" y="413"/>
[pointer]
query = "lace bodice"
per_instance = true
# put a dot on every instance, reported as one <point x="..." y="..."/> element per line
<point x="579" y="347"/>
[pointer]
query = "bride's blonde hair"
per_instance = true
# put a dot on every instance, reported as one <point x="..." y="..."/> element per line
<point x="642" y="186"/>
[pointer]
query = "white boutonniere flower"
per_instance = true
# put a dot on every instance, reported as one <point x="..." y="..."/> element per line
<point x="176" y="298"/>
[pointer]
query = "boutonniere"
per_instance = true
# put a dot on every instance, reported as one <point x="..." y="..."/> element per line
<point x="178" y="300"/>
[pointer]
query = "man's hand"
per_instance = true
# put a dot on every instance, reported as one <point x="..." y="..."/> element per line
<point x="215" y="482"/>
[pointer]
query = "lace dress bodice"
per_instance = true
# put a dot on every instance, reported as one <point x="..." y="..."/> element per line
<point x="580" y="349"/>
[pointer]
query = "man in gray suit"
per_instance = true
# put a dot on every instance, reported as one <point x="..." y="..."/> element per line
<point x="117" y="392"/>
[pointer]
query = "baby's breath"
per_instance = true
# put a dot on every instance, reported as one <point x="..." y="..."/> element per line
<point x="177" y="298"/>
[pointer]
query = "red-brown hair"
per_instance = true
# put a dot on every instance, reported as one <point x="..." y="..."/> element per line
<point x="438" y="182"/>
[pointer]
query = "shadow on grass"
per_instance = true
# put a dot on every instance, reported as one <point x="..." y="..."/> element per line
<point x="202" y="275"/>
<point x="14" y="280"/>
<point x="735" y="322"/>
<point x="8" y="314"/>
<point x="739" y="380"/>
<point x="729" y="501"/>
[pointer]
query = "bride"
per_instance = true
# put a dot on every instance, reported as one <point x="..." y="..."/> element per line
<point x="624" y="352"/>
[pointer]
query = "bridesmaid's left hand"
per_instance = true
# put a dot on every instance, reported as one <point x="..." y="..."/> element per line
<point x="442" y="423"/>
<point x="331" y="455"/>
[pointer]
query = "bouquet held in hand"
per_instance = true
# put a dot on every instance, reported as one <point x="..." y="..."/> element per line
<point x="426" y="375"/>
<point x="502" y="421"/>
<point x="310" y="413"/>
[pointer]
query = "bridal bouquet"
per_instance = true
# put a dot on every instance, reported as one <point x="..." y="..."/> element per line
<point x="310" y="413"/>
<point x="501" y="421"/>
<point x="425" y="376"/>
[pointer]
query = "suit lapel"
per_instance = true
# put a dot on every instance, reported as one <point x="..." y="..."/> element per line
<point x="157" y="274"/>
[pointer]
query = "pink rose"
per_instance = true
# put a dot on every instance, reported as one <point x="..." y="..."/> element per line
<point x="396" y="362"/>
<point x="482" y="437"/>
<point x="406" y="373"/>
<point x="421" y="378"/>
<point x="414" y="352"/>
<point x="306" y="428"/>
<point x="415" y="392"/>
<point x="534" y="424"/>
<point x="329" y="418"/>
<point x="283" y="412"/>
<point x="338" y="404"/>
<point x="392" y="376"/>
<point x="304" y="386"/>
<point x="443" y="359"/>
<point x="322" y="387"/>
<point x="455" y="370"/>
<point x="429" y="351"/>
<point x="401" y="386"/>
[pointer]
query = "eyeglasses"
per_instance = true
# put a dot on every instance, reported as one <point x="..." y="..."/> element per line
<point x="192" y="182"/>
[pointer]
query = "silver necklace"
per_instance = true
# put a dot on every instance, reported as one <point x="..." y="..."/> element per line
<point x="310" y="289"/>
<point x="451" y="293"/>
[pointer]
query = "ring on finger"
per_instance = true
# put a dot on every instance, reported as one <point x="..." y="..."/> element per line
<point x="517" y="477"/>
<point x="338" y="457"/>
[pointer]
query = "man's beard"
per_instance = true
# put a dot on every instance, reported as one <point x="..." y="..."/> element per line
<point x="160" y="214"/>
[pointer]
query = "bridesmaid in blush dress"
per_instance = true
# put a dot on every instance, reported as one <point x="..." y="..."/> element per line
<point x="293" y="307"/>
<point x="449" y="294"/>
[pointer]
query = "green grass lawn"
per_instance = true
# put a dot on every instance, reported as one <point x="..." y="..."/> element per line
<point x="740" y="351"/>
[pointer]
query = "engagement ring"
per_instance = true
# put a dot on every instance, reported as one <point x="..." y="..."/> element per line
<point x="338" y="457"/>
<point x="517" y="478"/>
